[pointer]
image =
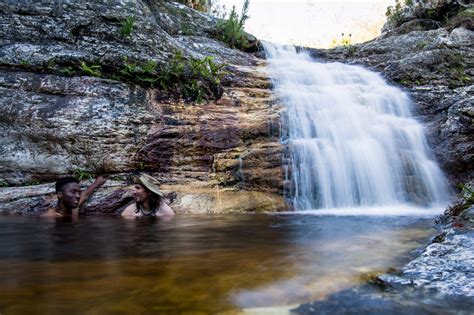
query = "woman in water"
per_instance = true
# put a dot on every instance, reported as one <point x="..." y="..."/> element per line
<point x="149" y="199"/>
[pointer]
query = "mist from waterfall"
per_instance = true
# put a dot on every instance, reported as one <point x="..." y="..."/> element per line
<point x="352" y="140"/>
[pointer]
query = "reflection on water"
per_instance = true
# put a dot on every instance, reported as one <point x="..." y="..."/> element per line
<point x="192" y="264"/>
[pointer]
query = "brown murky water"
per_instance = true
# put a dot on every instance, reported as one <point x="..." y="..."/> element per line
<point x="193" y="264"/>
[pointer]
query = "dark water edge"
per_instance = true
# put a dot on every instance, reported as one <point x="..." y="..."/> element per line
<point x="196" y="264"/>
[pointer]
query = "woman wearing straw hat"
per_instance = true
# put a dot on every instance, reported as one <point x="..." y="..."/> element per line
<point x="149" y="199"/>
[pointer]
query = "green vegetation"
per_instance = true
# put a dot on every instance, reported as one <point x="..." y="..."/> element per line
<point x="83" y="174"/>
<point x="32" y="182"/>
<point x="199" y="5"/>
<point x="394" y="13"/>
<point x="50" y="63"/>
<point x="91" y="70"/>
<point x="144" y="74"/>
<point x="68" y="71"/>
<point x="467" y="193"/>
<point x="464" y="18"/>
<point x="352" y="50"/>
<point x="127" y="26"/>
<point x="187" y="31"/>
<point x="193" y="79"/>
<point x="422" y="45"/>
<point x="469" y="12"/>
<point x="190" y="78"/>
<point x="142" y="166"/>
<point x="231" y="30"/>
<point x="456" y="69"/>
<point x="3" y="184"/>
<point x="448" y="15"/>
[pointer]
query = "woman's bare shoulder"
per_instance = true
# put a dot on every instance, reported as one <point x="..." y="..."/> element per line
<point x="129" y="211"/>
<point x="165" y="209"/>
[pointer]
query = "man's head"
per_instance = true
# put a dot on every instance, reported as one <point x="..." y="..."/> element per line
<point x="69" y="192"/>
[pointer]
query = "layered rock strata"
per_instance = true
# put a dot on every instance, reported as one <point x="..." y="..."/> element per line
<point x="58" y="118"/>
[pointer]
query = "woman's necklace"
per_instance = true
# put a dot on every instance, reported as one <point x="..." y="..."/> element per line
<point x="147" y="214"/>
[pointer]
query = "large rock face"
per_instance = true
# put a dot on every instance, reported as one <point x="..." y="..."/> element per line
<point x="56" y="121"/>
<point x="434" y="63"/>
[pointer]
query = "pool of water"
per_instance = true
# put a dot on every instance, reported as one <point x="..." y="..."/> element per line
<point x="194" y="264"/>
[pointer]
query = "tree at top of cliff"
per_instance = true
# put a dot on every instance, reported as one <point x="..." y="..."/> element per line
<point x="200" y="5"/>
<point x="231" y="29"/>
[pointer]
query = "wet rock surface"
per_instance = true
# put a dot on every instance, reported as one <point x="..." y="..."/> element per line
<point x="57" y="119"/>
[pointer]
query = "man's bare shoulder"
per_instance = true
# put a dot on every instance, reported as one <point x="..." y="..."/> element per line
<point x="51" y="213"/>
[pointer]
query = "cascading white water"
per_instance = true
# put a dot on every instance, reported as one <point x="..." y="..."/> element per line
<point x="352" y="140"/>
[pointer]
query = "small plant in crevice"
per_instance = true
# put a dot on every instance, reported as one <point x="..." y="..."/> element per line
<point x="50" y="63"/>
<point x="67" y="71"/>
<point x="91" y="70"/>
<point x="144" y="74"/>
<point x="467" y="193"/>
<point x="81" y="174"/>
<point x="32" y="182"/>
<point x="127" y="26"/>
<point x="142" y="166"/>
<point x="352" y="50"/>
<point x="187" y="31"/>
<point x="456" y="69"/>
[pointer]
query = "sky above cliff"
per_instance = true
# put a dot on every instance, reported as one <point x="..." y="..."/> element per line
<point x="314" y="23"/>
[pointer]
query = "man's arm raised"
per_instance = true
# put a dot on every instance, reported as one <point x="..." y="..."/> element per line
<point x="99" y="181"/>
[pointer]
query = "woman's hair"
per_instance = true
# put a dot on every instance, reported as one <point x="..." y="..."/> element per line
<point x="154" y="200"/>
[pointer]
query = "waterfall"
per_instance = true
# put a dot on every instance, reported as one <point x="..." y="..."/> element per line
<point x="351" y="137"/>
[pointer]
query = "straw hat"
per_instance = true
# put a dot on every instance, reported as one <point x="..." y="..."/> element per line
<point x="149" y="182"/>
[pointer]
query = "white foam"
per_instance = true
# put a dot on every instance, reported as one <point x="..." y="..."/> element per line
<point x="397" y="210"/>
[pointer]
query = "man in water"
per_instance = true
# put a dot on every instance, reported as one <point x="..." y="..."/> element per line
<point x="70" y="196"/>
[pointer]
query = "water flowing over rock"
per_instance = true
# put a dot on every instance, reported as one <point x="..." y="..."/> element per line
<point x="351" y="136"/>
<point x="58" y="120"/>
<point x="437" y="69"/>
